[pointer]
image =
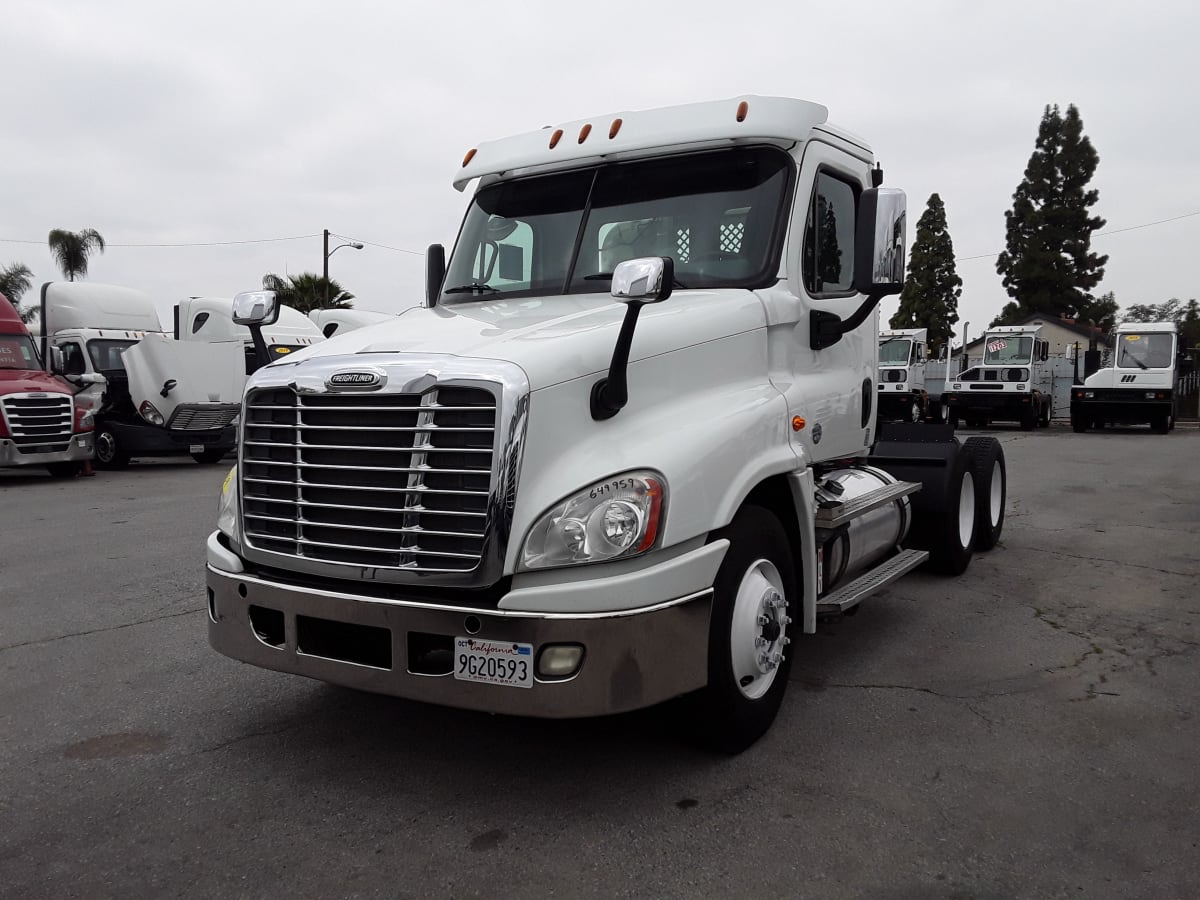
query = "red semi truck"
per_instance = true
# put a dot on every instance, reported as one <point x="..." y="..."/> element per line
<point x="40" y="422"/>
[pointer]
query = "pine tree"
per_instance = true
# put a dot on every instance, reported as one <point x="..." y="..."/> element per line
<point x="931" y="291"/>
<point x="1048" y="267"/>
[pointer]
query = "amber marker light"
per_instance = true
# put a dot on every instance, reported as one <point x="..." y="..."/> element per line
<point x="470" y="156"/>
<point x="743" y="108"/>
<point x="798" y="423"/>
<point x="584" y="132"/>
<point x="555" y="138"/>
<point x="614" y="128"/>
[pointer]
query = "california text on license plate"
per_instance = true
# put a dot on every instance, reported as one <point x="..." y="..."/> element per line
<point x="493" y="662"/>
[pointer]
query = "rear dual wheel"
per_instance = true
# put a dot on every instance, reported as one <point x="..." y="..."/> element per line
<point x="947" y="530"/>
<point x="990" y="476"/>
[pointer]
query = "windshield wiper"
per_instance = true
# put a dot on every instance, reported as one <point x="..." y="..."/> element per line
<point x="474" y="287"/>
<point x="607" y="276"/>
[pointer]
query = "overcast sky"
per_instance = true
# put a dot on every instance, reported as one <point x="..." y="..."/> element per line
<point x="161" y="123"/>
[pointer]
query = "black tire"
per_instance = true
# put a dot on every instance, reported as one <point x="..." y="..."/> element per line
<point x="210" y="456"/>
<point x="1028" y="418"/>
<point x="1045" y="420"/>
<point x="991" y="489"/>
<point x="1160" y="424"/>
<point x="952" y="418"/>
<point x="731" y="713"/>
<point x="110" y="453"/>
<point x="1079" y="424"/>
<point x="914" y="413"/>
<point x="63" y="469"/>
<point x="948" y="531"/>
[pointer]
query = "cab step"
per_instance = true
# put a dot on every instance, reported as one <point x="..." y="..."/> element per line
<point x="838" y="514"/>
<point x="849" y="595"/>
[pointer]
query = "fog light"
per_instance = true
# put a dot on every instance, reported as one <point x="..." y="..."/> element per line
<point x="559" y="660"/>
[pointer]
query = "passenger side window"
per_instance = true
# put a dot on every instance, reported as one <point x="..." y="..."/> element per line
<point x="828" y="263"/>
<point x="73" y="361"/>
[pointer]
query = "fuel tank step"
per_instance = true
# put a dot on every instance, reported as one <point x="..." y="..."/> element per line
<point x="848" y="595"/>
<point x="840" y="513"/>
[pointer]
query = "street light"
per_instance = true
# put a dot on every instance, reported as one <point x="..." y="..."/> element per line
<point x="329" y="253"/>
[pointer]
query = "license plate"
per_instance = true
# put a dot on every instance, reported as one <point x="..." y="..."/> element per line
<point x="196" y="448"/>
<point x="493" y="662"/>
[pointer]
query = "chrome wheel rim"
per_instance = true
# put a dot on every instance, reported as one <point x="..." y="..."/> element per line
<point x="915" y="414"/>
<point x="106" y="447"/>
<point x="758" y="632"/>
<point x="966" y="510"/>
<point x="996" y="495"/>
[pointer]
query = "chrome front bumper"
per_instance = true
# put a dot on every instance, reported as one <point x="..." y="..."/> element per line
<point x="632" y="659"/>
<point x="79" y="449"/>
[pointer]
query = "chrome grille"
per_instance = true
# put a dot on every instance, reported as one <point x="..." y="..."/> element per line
<point x="203" y="416"/>
<point x="39" y="424"/>
<point x="386" y="481"/>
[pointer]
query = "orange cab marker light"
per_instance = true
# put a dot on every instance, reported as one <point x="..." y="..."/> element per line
<point x="584" y="132"/>
<point x="798" y="423"/>
<point x="555" y="138"/>
<point x="743" y="108"/>
<point x="614" y="128"/>
<point x="470" y="156"/>
<point x="653" y="517"/>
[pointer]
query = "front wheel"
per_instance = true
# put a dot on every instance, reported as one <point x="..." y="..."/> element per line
<point x="748" y="662"/>
<point x="1079" y="424"/>
<point x="110" y="454"/>
<point x="1160" y="424"/>
<point x="63" y="469"/>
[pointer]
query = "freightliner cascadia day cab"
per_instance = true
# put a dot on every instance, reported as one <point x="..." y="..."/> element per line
<point x="41" y="423"/>
<point x="210" y="319"/>
<point x="625" y="453"/>
<point x="1139" y="387"/>
<point x="902" y="393"/>
<point x="152" y="395"/>
<point x="1012" y="384"/>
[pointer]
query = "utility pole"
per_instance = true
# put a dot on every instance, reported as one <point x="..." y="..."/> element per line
<point x="325" y="269"/>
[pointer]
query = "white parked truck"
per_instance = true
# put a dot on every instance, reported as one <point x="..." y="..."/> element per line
<point x="339" y="321"/>
<point x="1011" y="385"/>
<point x="1139" y="387"/>
<point x="903" y="393"/>
<point x="151" y="395"/>
<point x="627" y="451"/>
<point x="210" y="319"/>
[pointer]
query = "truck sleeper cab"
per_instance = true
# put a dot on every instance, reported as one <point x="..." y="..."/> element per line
<point x="606" y="465"/>
<point x="1010" y="386"/>
<point x="1140" y="386"/>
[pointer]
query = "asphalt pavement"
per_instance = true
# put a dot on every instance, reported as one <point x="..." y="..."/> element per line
<point x="1026" y="730"/>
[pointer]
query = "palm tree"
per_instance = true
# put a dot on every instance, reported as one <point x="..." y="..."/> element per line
<point x="72" y="248"/>
<point x="15" y="280"/>
<point x="306" y="292"/>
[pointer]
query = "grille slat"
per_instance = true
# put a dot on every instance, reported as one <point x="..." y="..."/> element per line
<point x="39" y="421"/>
<point x="358" y="479"/>
<point x="203" y="417"/>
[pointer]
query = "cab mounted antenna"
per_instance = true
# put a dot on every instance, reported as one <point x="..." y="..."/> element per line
<point x="877" y="175"/>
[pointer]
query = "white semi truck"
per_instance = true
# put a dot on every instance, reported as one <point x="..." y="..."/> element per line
<point x="210" y="319"/>
<point x="904" y="395"/>
<point x="339" y="321"/>
<point x="151" y="395"/>
<point x="1011" y="385"/>
<point x="627" y="451"/>
<point x="1139" y="387"/>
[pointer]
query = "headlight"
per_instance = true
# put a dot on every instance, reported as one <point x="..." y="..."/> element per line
<point x="227" y="520"/>
<point x="150" y="414"/>
<point x="611" y="519"/>
<point x="87" y="421"/>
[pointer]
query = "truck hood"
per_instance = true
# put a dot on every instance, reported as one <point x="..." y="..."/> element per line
<point x="554" y="339"/>
<point x="15" y="381"/>
<point x="202" y="372"/>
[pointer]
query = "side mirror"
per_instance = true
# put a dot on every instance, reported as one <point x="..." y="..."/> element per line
<point x="89" y="378"/>
<point x="435" y="273"/>
<point x="168" y="386"/>
<point x="57" y="366"/>
<point x="879" y="242"/>
<point x="255" y="308"/>
<point x="646" y="280"/>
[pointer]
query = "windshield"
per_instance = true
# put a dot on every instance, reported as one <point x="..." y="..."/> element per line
<point x="16" y="352"/>
<point x="1005" y="350"/>
<point x="1145" y="351"/>
<point x="894" y="352"/>
<point x="106" y="354"/>
<point x="718" y="215"/>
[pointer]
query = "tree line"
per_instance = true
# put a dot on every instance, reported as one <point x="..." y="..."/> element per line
<point x="72" y="250"/>
<point x="1047" y="267"/>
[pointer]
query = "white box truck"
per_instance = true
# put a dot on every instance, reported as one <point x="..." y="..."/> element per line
<point x="625" y="454"/>
<point x="1139" y="388"/>
<point x="1013" y="383"/>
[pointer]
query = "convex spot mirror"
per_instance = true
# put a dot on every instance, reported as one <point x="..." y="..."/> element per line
<point x="57" y="365"/>
<point x="880" y="242"/>
<point x="255" y="308"/>
<point x="645" y="280"/>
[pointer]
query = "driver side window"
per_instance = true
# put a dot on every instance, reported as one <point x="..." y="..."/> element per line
<point x="73" y="361"/>
<point x="828" y="263"/>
